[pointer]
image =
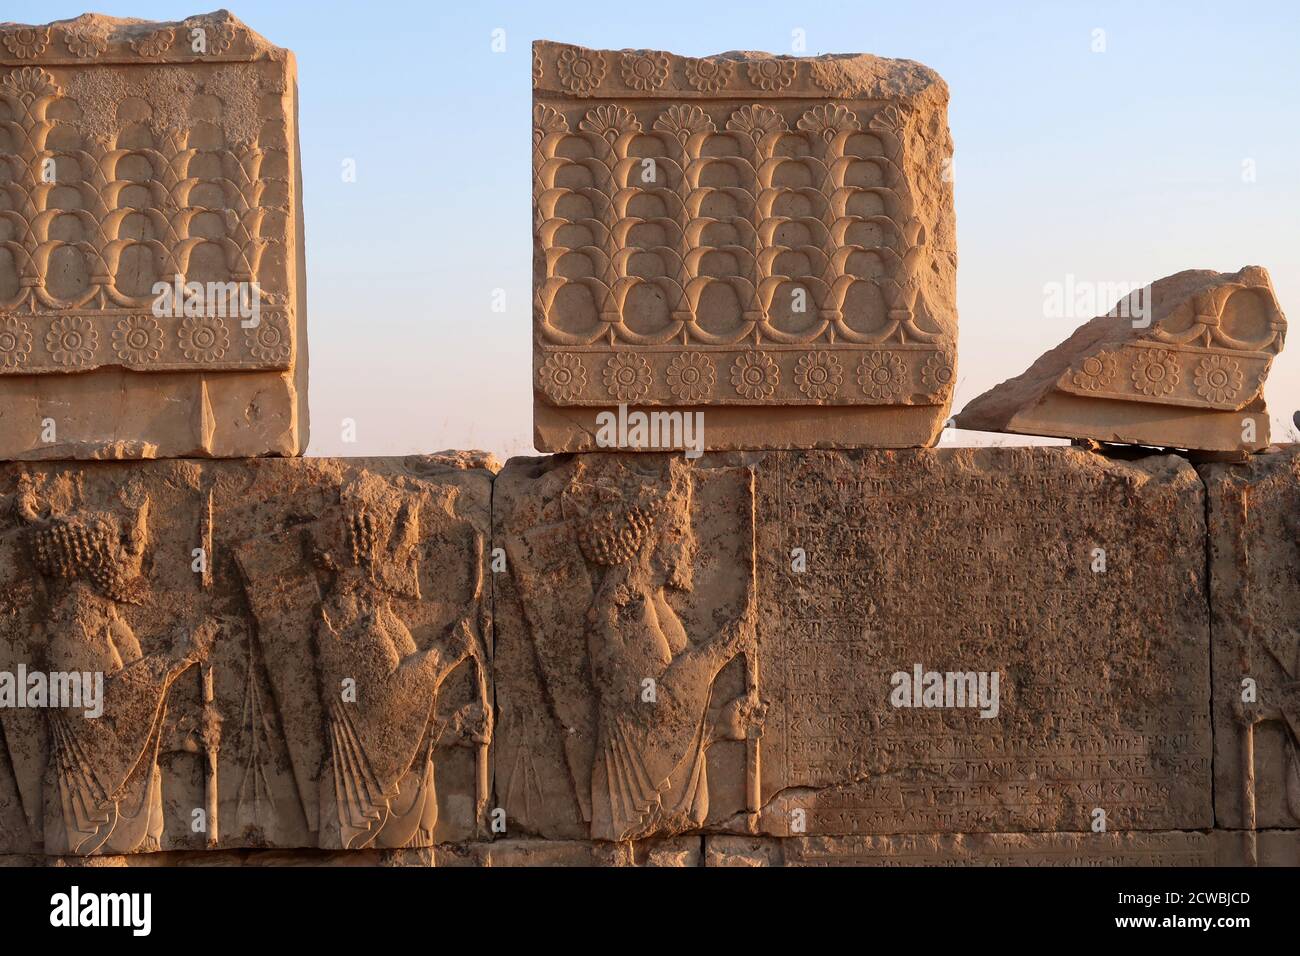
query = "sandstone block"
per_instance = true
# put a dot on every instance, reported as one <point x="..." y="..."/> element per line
<point x="290" y="654"/>
<point x="1181" y="364"/>
<point x="767" y="240"/>
<point x="152" y="299"/>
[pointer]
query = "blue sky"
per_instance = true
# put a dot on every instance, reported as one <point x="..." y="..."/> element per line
<point x="1122" y="165"/>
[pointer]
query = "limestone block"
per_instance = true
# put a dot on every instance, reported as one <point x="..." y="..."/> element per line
<point x="293" y="653"/>
<point x="1254" y="511"/>
<point x="721" y="646"/>
<point x="1181" y="364"/>
<point x="767" y="240"/>
<point x="152" y="299"/>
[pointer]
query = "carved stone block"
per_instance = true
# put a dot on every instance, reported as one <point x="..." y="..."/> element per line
<point x="769" y="240"/>
<point x="151" y="258"/>
<point x="626" y="627"/>
<point x="1181" y="364"/>
<point x="718" y="646"/>
<point x="1078" y="579"/>
<point x="1254" y="550"/>
<point x="293" y="653"/>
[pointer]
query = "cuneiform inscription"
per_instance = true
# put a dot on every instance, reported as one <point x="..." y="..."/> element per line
<point x="1074" y="579"/>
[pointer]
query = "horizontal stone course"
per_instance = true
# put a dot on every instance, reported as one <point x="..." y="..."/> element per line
<point x="605" y="659"/>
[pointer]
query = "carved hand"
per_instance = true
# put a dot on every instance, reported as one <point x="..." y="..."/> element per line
<point x="471" y="724"/>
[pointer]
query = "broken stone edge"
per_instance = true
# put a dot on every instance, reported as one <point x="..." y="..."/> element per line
<point x="847" y="75"/>
<point x="95" y="39"/>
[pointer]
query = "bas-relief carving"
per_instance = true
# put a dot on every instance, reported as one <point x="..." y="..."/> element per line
<point x="1188" y="372"/>
<point x="1255" y="573"/>
<point x="124" y="162"/>
<point x="961" y="560"/>
<point x="377" y="782"/>
<point x="630" y="641"/>
<point x="695" y="248"/>
<point x="762" y="677"/>
<point x="102" y="786"/>
<point x="324" y="681"/>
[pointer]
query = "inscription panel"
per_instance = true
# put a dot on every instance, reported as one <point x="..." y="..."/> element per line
<point x="985" y="561"/>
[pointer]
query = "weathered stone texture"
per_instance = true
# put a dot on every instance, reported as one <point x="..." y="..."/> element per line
<point x="295" y="653"/>
<point x="1254" y="512"/>
<point x="770" y="239"/>
<point x="1154" y="849"/>
<point x="771" y="686"/>
<point x="677" y="852"/>
<point x="135" y="153"/>
<point x="984" y="560"/>
<point x="680" y="649"/>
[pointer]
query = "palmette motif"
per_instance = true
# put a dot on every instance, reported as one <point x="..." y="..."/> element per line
<point x="149" y="174"/>
<point x="677" y="213"/>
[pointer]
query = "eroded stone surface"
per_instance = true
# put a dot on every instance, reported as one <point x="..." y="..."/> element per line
<point x="1169" y="848"/>
<point x="134" y="154"/>
<point x="1180" y="365"/>
<point x="674" y="852"/>
<point x="679" y="852"/>
<point x="1254" y="511"/>
<point x="295" y="653"/>
<point x="984" y="560"/>
<point x="1159" y="849"/>
<point x="768" y="239"/>
<point x="767" y="601"/>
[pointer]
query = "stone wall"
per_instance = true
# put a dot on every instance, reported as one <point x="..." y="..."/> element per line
<point x="635" y="659"/>
<point x="810" y="640"/>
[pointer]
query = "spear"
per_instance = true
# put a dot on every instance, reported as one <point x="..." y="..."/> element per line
<point x="212" y="745"/>
<point x="481" y="756"/>
<point x="753" y="731"/>
<point x="210" y="732"/>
